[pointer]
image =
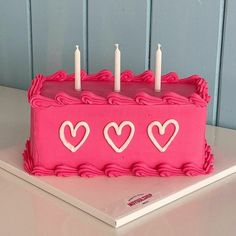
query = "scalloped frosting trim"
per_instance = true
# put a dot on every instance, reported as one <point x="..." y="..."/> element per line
<point x="199" y="98"/>
<point x="114" y="170"/>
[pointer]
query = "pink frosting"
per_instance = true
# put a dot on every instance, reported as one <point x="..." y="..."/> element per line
<point x="116" y="99"/>
<point x="91" y="98"/>
<point x="199" y="98"/>
<point x="184" y="157"/>
<point x="65" y="99"/>
<point x="114" y="170"/>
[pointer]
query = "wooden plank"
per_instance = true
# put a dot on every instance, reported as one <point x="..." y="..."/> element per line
<point x="58" y="26"/>
<point x="15" y="62"/>
<point x="227" y="98"/>
<point x="190" y="34"/>
<point x="123" y="22"/>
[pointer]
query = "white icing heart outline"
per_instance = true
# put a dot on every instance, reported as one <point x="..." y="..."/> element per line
<point x="162" y="129"/>
<point x="73" y="131"/>
<point x="118" y="130"/>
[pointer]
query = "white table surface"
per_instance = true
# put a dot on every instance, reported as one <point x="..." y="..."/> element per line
<point x="27" y="210"/>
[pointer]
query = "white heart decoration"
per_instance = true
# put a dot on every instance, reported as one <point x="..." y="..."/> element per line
<point x="73" y="132"/>
<point x="118" y="130"/>
<point x="162" y="129"/>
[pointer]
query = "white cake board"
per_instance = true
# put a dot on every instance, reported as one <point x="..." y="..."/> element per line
<point x="107" y="198"/>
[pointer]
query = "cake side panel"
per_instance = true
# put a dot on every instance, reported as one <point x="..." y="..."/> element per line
<point x="49" y="150"/>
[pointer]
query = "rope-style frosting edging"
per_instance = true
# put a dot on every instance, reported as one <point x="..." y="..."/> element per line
<point x="114" y="170"/>
<point x="199" y="98"/>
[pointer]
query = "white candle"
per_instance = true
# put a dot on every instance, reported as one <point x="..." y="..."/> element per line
<point x="77" y="69"/>
<point x="158" y="69"/>
<point x="117" y="69"/>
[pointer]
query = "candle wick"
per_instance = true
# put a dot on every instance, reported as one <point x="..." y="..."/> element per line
<point x="117" y="46"/>
<point x="77" y="47"/>
<point x="158" y="46"/>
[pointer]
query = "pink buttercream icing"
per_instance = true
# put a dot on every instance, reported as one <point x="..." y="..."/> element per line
<point x="199" y="98"/>
<point x="114" y="170"/>
<point x="184" y="157"/>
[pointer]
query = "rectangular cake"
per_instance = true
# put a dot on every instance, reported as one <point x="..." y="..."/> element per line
<point x="137" y="131"/>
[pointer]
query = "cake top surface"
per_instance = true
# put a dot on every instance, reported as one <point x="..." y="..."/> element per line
<point x="97" y="89"/>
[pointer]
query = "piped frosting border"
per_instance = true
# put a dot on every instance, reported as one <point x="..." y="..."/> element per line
<point x="114" y="170"/>
<point x="199" y="98"/>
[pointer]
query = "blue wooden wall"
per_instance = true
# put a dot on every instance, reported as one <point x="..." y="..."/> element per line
<point x="198" y="37"/>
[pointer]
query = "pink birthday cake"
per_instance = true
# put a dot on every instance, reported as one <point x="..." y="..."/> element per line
<point x="136" y="131"/>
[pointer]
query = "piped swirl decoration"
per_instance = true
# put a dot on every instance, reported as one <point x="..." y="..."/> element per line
<point x="114" y="170"/>
<point x="199" y="98"/>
